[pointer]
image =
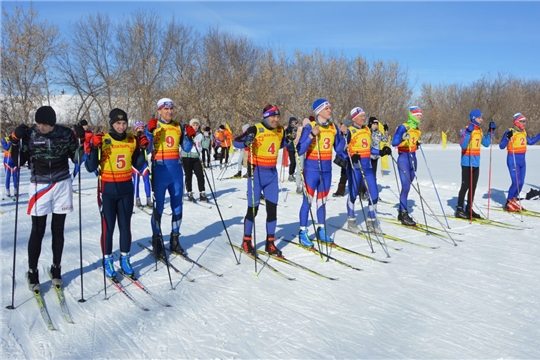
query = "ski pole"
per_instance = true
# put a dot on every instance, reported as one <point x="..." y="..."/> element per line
<point x="253" y="212"/>
<point x="415" y="169"/>
<point x="81" y="300"/>
<point x="434" y="187"/>
<point x="12" y="306"/>
<point x="517" y="182"/>
<point x="321" y="183"/>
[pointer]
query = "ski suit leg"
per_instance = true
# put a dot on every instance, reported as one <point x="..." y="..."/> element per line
<point x="253" y="200"/>
<point x="353" y="177"/>
<point x="322" y="194"/>
<point x="176" y="191"/>
<point x="125" y="211"/>
<point x="109" y="213"/>
<point x="512" y="169"/>
<point x="312" y="181"/>
<point x="406" y="175"/>
<point x="146" y="180"/>
<point x="161" y="180"/>
<point x="136" y="180"/>
<point x="270" y="189"/>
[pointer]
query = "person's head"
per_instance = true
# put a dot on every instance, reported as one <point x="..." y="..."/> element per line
<point x="322" y="109"/>
<point x="415" y="116"/>
<point x="84" y="124"/>
<point x="10" y="130"/>
<point x="373" y="123"/>
<point x="118" y="120"/>
<point x="138" y="126"/>
<point x="520" y="121"/>
<point x="195" y="123"/>
<point x="221" y="127"/>
<point x="476" y="117"/>
<point x="271" y="116"/>
<point x="358" y="116"/>
<point x="244" y="128"/>
<point x="165" y="109"/>
<point x="45" y="119"/>
<point x="293" y="121"/>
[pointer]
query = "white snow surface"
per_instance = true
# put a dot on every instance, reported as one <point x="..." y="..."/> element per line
<point x="480" y="299"/>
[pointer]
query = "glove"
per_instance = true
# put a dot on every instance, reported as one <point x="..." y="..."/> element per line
<point x="249" y="139"/>
<point x="97" y="138"/>
<point x="509" y="134"/>
<point x="340" y="162"/>
<point x="355" y="158"/>
<point x="290" y="137"/>
<point x="492" y="125"/>
<point x="418" y="143"/>
<point x="143" y="142"/>
<point x="79" y="132"/>
<point x="19" y="132"/>
<point x="406" y="136"/>
<point x="190" y="132"/>
<point x="152" y="125"/>
<point x="470" y="128"/>
<point x="385" y="127"/>
<point x="385" y="151"/>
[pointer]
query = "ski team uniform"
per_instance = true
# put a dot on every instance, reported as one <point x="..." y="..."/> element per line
<point x="318" y="166"/>
<point x="49" y="190"/>
<point x="167" y="173"/>
<point x="264" y="176"/>
<point x="9" y="166"/>
<point x="470" y="143"/>
<point x="406" y="161"/>
<point x="360" y="175"/>
<point x="515" y="159"/>
<point x="144" y="173"/>
<point x="117" y="156"/>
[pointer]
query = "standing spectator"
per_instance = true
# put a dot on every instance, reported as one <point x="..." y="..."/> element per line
<point x="291" y="134"/>
<point x="317" y="140"/>
<point x="87" y="137"/>
<point x="114" y="154"/>
<point x="343" y="172"/>
<point x="515" y="140"/>
<point x="191" y="162"/>
<point x="47" y="147"/>
<point x="471" y="137"/>
<point x="11" y="170"/>
<point x="406" y="140"/>
<point x="264" y="140"/>
<point x="167" y="137"/>
<point x="225" y="140"/>
<point x="376" y="138"/>
<point x="206" y="146"/>
<point x="142" y="172"/>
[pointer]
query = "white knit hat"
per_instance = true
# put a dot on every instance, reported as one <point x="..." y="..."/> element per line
<point x="193" y="121"/>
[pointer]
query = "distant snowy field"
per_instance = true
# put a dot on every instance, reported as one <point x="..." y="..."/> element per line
<point x="480" y="299"/>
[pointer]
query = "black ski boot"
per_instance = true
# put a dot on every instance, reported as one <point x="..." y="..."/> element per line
<point x="56" y="275"/>
<point x="405" y="218"/>
<point x="32" y="276"/>
<point x="174" y="244"/>
<point x="340" y="191"/>
<point x="157" y="246"/>
<point x="474" y="214"/>
<point x="203" y="197"/>
<point x="190" y="197"/>
<point x="460" y="213"/>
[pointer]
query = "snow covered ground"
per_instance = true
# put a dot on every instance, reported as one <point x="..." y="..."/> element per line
<point x="480" y="299"/>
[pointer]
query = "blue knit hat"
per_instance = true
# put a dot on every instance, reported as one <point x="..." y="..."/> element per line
<point x="476" y="113"/>
<point x="319" y="105"/>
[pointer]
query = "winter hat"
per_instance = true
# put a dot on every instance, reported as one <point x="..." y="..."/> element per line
<point x="10" y="129"/>
<point x="245" y="127"/>
<point x="372" y="120"/>
<point x="83" y="122"/>
<point x="319" y="105"/>
<point x="222" y="127"/>
<point x="207" y="128"/>
<point x="476" y="113"/>
<point x="46" y="115"/>
<point x="193" y="121"/>
<point x="165" y="102"/>
<point x="117" y="114"/>
<point x="270" y="110"/>
<point x="292" y="119"/>
<point x="356" y="111"/>
<point x="415" y="110"/>
<point x="138" y="124"/>
<point x="519" y="121"/>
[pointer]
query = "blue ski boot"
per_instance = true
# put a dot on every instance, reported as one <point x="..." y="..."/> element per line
<point x="108" y="265"/>
<point x="304" y="238"/>
<point x="322" y="235"/>
<point x="126" y="265"/>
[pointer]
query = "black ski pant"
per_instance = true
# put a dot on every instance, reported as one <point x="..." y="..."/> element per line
<point x="224" y="155"/>
<point x="466" y="185"/>
<point x="39" y="223"/>
<point x="206" y="157"/>
<point x="192" y="165"/>
<point x="116" y="207"/>
<point x="292" y="162"/>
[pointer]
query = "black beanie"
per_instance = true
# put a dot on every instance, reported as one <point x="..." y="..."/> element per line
<point x="46" y="115"/>
<point x="117" y="115"/>
<point x="222" y="127"/>
<point x="83" y="122"/>
<point x="372" y="120"/>
<point x="207" y="128"/>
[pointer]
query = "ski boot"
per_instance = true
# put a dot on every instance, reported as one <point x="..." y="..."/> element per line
<point x="149" y="203"/>
<point x="271" y="248"/>
<point x="190" y="197"/>
<point x="157" y="246"/>
<point x="125" y="264"/>
<point x="340" y="191"/>
<point x="32" y="277"/>
<point x="475" y="215"/>
<point x="138" y="202"/>
<point x="202" y="197"/>
<point x="247" y="246"/>
<point x="460" y="214"/>
<point x="304" y="238"/>
<point x="322" y="235"/>
<point x="56" y="275"/>
<point x="238" y="175"/>
<point x="174" y="244"/>
<point x="108" y="265"/>
<point x="405" y="218"/>
<point x="373" y="227"/>
<point x="292" y="178"/>
<point x="351" y="225"/>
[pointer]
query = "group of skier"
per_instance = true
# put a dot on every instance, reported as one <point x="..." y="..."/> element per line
<point x="119" y="158"/>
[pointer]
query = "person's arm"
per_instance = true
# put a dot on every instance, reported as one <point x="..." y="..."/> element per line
<point x="305" y="140"/>
<point x="505" y="139"/>
<point x="398" y="137"/>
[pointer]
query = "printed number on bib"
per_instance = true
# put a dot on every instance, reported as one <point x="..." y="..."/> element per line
<point x="121" y="161"/>
<point x="170" y="141"/>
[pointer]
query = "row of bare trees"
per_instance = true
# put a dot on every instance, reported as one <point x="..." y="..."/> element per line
<point x="219" y="77"/>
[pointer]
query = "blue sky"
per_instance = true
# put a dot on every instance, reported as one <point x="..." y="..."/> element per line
<point x="437" y="42"/>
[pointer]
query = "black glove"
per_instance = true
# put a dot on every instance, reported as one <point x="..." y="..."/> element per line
<point x="249" y="139"/>
<point x="385" y="127"/>
<point x="79" y="132"/>
<point x="509" y="134"/>
<point x="340" y="162"/>
<point x="19" y="133"/>
<point x="355" y="158"/>
<point x="385" y="151"/>
<point x="418" y="143"/>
